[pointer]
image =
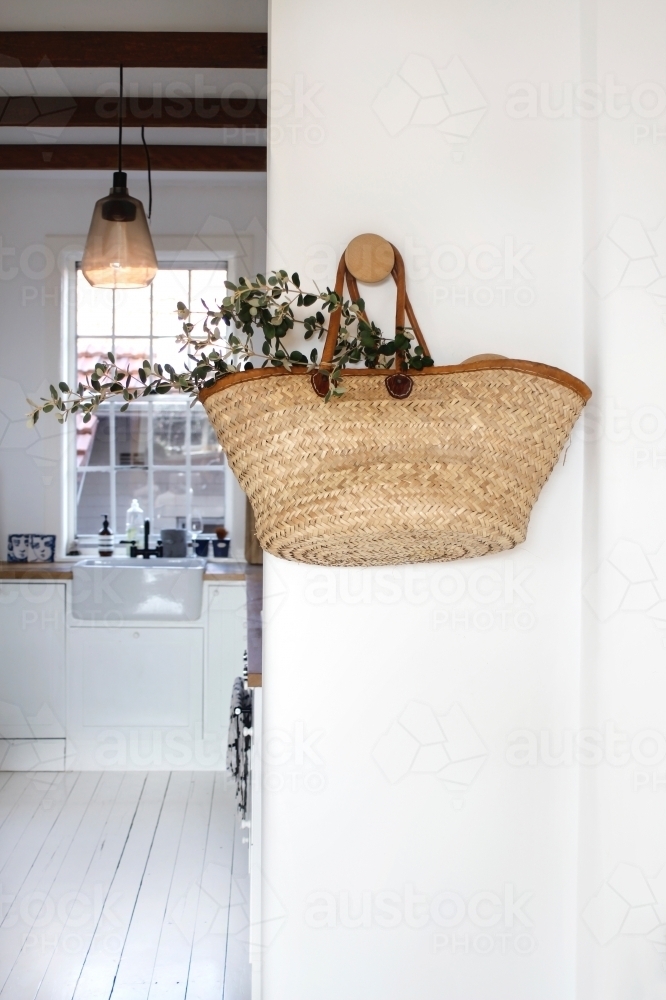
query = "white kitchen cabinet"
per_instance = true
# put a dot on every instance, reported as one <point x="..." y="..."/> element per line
<point x="137" y="696"/>
<point x="142" y="677"/>
<point x="226" y="643"/>
<point x="32" y="670"/>
<point x="134" y="694"/>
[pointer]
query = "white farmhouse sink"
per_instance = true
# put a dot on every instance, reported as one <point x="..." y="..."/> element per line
<point x="113" y="590"/>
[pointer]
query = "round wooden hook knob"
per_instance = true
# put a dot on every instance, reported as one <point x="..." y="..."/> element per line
<point x="370" y="258"/>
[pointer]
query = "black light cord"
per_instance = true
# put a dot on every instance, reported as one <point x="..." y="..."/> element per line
<point x="143" y="140"/>
<point x="120" y="123"/>
<point x="150" y="182"/>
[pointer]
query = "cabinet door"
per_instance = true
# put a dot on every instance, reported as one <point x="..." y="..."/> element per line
<point x="136" y="677"/>
<point x="32" y="660"/>
<point x="227" y="642"/>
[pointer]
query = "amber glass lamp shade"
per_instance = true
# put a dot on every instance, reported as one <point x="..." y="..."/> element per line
<point x="119" y="251"/>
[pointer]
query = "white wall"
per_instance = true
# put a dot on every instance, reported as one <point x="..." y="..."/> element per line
<point x="555" y="653"/>
<point x="622" y="891"/>
<point x="357" y="659"/>
<point x="35" y="208"/>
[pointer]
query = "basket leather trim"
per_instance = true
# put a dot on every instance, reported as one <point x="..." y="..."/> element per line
<point x="507" y="364"/>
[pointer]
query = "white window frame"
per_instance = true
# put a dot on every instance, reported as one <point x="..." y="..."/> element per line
<point x="238" y="253"/>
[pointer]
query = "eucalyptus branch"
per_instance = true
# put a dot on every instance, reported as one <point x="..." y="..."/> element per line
<point x="262" y="306"/>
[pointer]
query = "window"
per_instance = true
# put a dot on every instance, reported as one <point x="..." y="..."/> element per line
<point x="162" y="451"/>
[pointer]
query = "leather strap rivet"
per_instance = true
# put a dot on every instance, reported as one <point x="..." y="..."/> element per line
<point x="320" y="383"/>
<point x="399" y="385"/>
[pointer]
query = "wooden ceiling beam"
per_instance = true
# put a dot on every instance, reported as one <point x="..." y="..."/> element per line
<point x="153" y="112"/>
<point x="94" y="157"/>
<point x="145" y="49"/>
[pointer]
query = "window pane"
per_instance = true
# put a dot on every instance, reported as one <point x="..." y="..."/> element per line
<point x="130" y="484"/>
<point x="205" y="448"/>
<point x="209" y="286"/>
<point x="132" y="437"/>
<point x="93" y="439"/>
<point x="169" y="288"/>
<point x="169" y="434"/>
<point x="94" y="498"/>
<point x="94" y="309"/>
<point x="84" y="439"/>
<point x="208" y="495"/>
<point x="131" y="354"/>
<point x="132" y="317"/>
<point x="89" y="351"/>
<point x="170" y="499"/>
<point x="168" y="352"/>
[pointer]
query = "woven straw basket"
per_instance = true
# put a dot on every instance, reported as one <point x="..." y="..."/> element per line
<point x="429" y="466"/>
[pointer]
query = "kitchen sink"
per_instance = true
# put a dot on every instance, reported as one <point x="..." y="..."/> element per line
<point x="117" y="590"/>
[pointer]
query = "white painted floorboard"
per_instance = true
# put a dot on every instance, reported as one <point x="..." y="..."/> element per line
<point x="207" y="906"/>
<point x="122" y="886"/>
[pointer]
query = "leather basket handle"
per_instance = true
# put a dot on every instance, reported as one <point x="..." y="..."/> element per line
<point x="403" y="305"/>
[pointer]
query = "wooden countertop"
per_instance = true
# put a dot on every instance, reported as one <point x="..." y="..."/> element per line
<point x="35" y="571"/>
<point x="255" y="602"/>
<point x="215" y="572"/>
<point x="218" y="572"/>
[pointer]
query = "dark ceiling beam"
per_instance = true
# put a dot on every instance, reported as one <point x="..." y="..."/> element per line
<point x="153" y="112"/>
<point x="93" y="157"/>
<point x="147" y="49"/>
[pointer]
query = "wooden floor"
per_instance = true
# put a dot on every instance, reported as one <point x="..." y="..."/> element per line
<point x="122" y="885"/>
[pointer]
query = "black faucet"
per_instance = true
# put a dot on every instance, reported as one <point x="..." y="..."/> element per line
<point x="146" y="552"/>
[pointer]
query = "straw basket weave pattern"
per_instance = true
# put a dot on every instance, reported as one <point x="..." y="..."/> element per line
<point x="365" y="480"/>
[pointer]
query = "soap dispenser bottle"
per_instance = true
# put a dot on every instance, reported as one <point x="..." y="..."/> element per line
<point x="133" y="522"/>
<point x="105" y="538"/>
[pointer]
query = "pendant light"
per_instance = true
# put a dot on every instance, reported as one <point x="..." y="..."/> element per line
<point x="119" y="250"/>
